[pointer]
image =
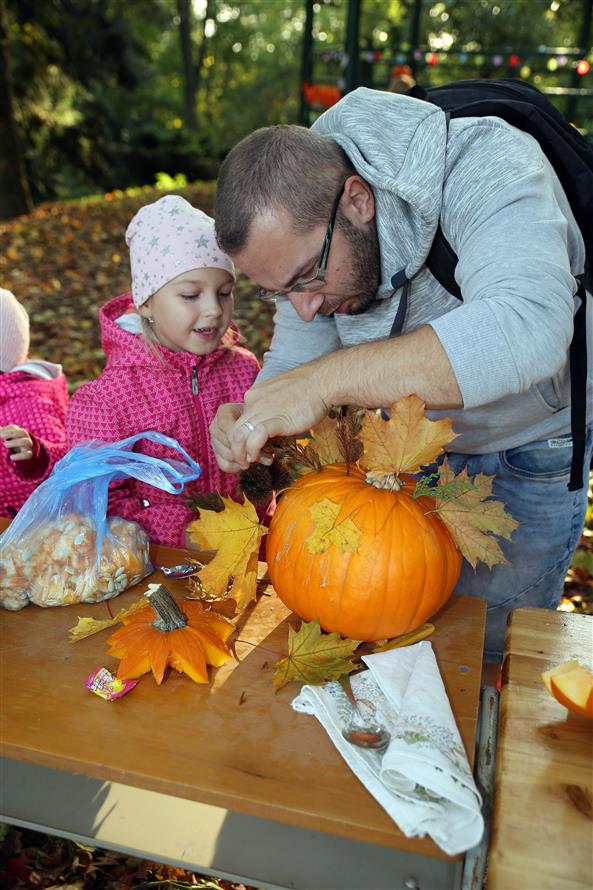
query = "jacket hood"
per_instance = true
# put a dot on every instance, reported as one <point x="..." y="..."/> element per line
<point x="398" y="145"/>
<point x="38" y="368"/>
<point x="124" y="348"/>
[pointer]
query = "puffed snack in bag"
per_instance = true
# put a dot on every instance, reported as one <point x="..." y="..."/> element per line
<point x="58" y="564"/>
<point x="61" y="548"/>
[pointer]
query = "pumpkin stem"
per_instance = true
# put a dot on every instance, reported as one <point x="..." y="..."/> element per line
<point x="169" y="615"/>
<point x="390" y="481"/>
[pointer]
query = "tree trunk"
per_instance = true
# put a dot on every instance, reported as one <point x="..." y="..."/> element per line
<point x="189" y="71"/>
<point x="15" y="197"/>
<point x="202" y="52"/>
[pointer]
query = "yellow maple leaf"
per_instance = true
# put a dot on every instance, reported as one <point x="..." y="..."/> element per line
<point x="314" y="657"/>
<point x="474" y="518"/>
<point x="343" y="534"/>
<point x="404" y="443"/>
<point x="245" y="589"/>
<point x="235" y="534"/>
<point x="86" y="627"/>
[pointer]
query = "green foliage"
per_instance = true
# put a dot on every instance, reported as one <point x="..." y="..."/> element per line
<point x="100" y="85"/>
<point x="166" y="183"/>
<point x="583" y="559"/>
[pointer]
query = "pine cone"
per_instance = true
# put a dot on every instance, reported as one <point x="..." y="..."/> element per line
<point x="281" y="474"/>
<point x="256" y="483"/>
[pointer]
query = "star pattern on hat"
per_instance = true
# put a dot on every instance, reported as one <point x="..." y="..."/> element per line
<point x="166" y="239"/>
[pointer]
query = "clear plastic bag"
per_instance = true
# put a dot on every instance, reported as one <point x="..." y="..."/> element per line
<point x="61" y="548"/>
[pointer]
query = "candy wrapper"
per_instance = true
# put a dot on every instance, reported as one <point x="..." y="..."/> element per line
<point x="105" y="685"/>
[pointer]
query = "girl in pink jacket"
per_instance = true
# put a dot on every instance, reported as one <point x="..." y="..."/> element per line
<point x="33" y="401"/>
<point x="172" y="359"/>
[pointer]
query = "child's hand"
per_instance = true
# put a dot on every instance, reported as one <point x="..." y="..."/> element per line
<point x="17" y="440"/>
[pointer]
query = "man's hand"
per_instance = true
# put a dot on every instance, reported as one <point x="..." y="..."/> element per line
<point x="17" y="440"/>
<point x="371" y="375"/>
<point x="285" y="405"/>
<point x="220" y="430"/>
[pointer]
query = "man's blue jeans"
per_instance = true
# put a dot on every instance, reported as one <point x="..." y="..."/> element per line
<point x="532" y="482"/>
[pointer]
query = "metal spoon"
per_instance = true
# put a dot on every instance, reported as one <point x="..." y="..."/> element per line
<point x="360" y="731"/>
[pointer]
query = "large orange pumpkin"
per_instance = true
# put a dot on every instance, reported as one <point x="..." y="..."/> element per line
<point x="403" y="570"/>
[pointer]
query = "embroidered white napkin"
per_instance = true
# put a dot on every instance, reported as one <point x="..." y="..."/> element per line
<point x="423" y="779"/>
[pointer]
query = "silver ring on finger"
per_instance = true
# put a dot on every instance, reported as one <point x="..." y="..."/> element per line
<point x="249" y="425"/>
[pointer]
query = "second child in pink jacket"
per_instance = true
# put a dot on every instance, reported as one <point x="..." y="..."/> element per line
<point x="172" y="359"/>
<point x="33" y="401"/>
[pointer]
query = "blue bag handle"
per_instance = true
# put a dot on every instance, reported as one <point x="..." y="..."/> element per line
<point x="99" y="463"/>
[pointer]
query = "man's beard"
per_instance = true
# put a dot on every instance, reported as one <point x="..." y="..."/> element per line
<point x="366" y="273"/>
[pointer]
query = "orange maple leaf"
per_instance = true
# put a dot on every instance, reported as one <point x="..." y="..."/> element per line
<point x="404" y="443"/>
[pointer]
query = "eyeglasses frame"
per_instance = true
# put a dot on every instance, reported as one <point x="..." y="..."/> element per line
<point x="321" y="270"/>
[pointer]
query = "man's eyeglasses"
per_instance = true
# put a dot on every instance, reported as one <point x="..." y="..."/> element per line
<point x="321" y="270"/>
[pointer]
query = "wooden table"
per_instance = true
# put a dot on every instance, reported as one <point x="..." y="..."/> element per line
<point x="206" y="754"/>
<point x="543" y="801"/>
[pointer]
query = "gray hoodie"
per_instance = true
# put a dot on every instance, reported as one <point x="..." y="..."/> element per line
<point x="502" y="209"/>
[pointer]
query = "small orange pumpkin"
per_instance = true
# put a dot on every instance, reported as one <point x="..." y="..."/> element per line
<point x="403" y="570"/>
<point x="187" y="640"/>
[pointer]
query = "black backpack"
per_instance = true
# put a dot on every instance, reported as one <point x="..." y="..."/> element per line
<point x="525" y="107"/>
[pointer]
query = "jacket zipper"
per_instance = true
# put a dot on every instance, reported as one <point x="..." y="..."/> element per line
<point x="202" y="431"/>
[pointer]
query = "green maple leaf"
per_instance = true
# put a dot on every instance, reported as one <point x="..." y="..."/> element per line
<point x="474" y="518"/>
<point x="314" y="657"/>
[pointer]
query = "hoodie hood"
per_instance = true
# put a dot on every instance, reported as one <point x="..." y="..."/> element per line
<point x="38" y="368"/>
<point x="403" y="159"/>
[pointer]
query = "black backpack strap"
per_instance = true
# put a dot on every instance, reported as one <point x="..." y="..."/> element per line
<point x="578" y="390"/>
<point x="442" y="261"/>
<point x="572" y="159"/>
<point x="397" y="281"/>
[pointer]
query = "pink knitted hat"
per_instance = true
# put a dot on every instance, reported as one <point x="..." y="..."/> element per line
<point x="14" y="331"/>
<point x="167" y="238"/>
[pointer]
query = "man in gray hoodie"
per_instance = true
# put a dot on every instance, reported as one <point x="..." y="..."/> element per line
<point x="361" y="320"/>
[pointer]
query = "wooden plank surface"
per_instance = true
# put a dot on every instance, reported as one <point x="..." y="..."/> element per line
<point x="542" y="837"/>
<point x="234" y="744"/>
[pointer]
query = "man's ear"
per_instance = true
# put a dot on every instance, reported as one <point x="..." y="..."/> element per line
<point x="359" y="200"/>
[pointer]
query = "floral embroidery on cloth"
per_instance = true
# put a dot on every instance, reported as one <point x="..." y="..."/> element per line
<point x="423" y="779"/>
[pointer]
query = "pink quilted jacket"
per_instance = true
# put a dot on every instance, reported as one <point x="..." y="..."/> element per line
<point x="39" y="406"/>
<point x="175" y="393"/>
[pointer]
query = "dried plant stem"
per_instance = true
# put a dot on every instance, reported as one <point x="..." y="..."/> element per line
<point x="258" y="646"/>
<point x="169" y="615"/>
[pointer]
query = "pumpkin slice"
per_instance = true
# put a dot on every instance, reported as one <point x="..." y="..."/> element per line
<point x="186" y="639"/>
<point x="556" y="671"/>
<point x="572" y="686"/>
